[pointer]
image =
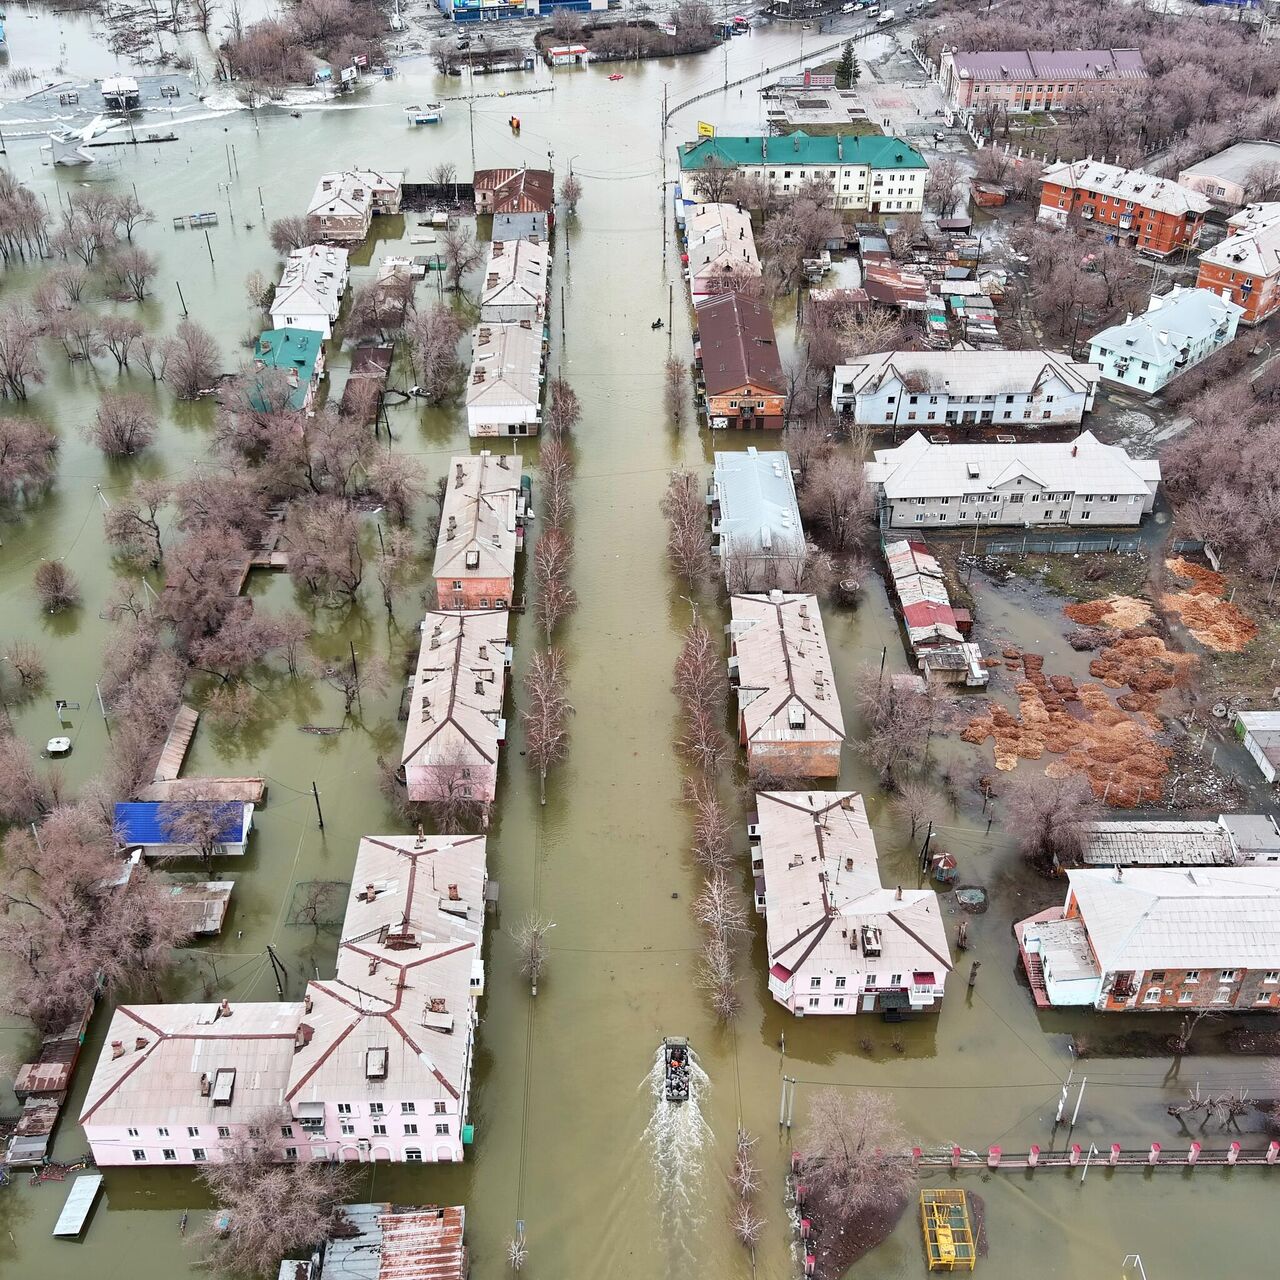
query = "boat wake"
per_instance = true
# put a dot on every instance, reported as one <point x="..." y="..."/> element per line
<point x="677" y="1138"/>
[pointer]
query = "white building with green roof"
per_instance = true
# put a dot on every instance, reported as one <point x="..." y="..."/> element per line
<point x="867" y="173"/>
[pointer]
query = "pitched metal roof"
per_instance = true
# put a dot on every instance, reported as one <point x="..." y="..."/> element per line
<point x="756" y="493"/>
<point x="143" y="821"/>
<point x="799" y="148"/>
<point x="1053" y="64"/>
<point x="1134" y="185"/>
<point x="966" y="372"/>
<point x="478" y="521"/>
<point x="1171" y="322"/>
<point x="518" y="190"/>
<point x="1253" y="245"/>
<point x="313" y="279"/>
<point x="388" y="1242"/>
<point x="738" y="345"/>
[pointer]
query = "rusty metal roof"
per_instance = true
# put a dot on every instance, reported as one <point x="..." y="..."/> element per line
<point x="395" y="1242"/>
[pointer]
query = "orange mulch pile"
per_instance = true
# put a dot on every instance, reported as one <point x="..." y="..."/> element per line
<point x="1214" y="622"/>
<point x="1115" y="748"/>
<point x="1120" y="612"/>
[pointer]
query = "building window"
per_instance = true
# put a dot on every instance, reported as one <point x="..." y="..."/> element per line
<point x="1157" y="975"/>
<point x="1151" y="995"/>
<point x="223" y="1131"/>
<point x="920" y="518"/>
<point x="840" y="983"/>
<point x="1222" y="995"/>
<point x="1192" y="975"/>
<point x="1263" y="997"/>
<point x="291" y="1153"/>
<point x="170" y="1153"/>
<point x="347" y="1128"/>
<point x="814" y="1001"/>
<point x="1085" y="515"/>
<point x="411" y="1131"/>
<point x="162" y="1132"/>
<point x="442" y="1130"/>
<point x="1228" y="975"/>
<point x="139" y="1154"/>
<point x="440" y="1108"/>
<point x="413" y="1155"/>
<point x="133" y="1133"/>
<point x="379" y="1130"/>
<point x="375" y="1108"/>
<point x="286" y="1131"/>
<point x="408" y="1108"/>
<point x="1184" y="997"/>
<point x="838" y="1002"/>
<point x="344" y="1108"/>
<point x="192" y="1131"/>
<point x="814" y="983"/>
<point x="1271" y="976"/>
<point x="197" y="1153"/>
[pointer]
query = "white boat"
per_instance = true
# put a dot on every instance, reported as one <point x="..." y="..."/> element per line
<point x="432" y="113"/>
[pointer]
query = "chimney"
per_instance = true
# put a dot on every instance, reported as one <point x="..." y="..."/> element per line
<point x="370" y="893"/>
<point x="224" y="1009"/>
<point x="302" y="1037"/>
<point x="453" y="893"/>
<point x="306" y="1003"/>
<point x="140" y="1042"/>
<point x="897" y="894"/>
<point x="117" y="1048"/>
<point x="1075" y="449"/>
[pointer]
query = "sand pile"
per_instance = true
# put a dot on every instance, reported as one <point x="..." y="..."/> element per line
<point x="1114" y="748"/>
<point x="1214" y="622"/>
<point x="1120" y="612"/>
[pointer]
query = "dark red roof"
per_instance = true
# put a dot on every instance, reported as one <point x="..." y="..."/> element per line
<point x="738" y="345"/>
<point x="518" y="190"/>
<point x="928" y="613"/>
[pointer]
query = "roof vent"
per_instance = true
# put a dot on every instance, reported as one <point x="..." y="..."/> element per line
<point x="375" y="1064"/>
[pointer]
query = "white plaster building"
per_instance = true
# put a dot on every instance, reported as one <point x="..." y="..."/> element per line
<point x="504" y="387"/>
<point x="309" y="295"/>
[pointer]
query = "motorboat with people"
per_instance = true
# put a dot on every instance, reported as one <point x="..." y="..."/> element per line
<point x="675" y="1059"/>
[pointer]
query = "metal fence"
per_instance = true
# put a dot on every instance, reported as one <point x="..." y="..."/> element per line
<point x="1062" y="546"/>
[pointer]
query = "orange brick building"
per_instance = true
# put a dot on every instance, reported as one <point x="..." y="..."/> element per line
<point x="1152" y="215"/>
<point x="737" y="353"/>
<point x="1246" y="265"/>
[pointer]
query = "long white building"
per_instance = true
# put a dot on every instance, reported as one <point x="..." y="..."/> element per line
<point x="964" y="387"/>
<point x="309" y="295"/>
<point x="1074" y="482"/>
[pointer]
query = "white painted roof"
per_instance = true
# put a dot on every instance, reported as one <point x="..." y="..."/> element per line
<point x="516" y="275"/>
<point x="312" y="282"/>
<point x="918" y="468"/>
<point x="720" y="236"/>
<point x="1171" y="322"/>
<point x="478" y="519"/>
<point x="1219" y="917"/>
<point x="455" y="709"/>
<point x="784" y="669"/>
<point x="757" y="498"/>
<point x="966" y="372"/>
<point x="1253" y="245"/>
<point x="1235" y="162"/>
<point x="1143" y="189"/>
<point x="822" y="885"/>
<point x="506" y="365"/>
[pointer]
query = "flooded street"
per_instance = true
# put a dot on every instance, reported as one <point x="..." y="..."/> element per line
<point x="570" y="1138"/>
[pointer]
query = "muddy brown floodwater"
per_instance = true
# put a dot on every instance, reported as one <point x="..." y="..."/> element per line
<point x="562" y="1105"/>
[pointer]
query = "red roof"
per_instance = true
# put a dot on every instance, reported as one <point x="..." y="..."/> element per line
<point x="738" y="345"/>
<point x="929" y="613"/>
<point x="779" y="971"/>
<point x="518" y="190"/>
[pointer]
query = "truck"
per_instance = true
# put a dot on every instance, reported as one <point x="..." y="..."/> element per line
<point x="886" y="16"/>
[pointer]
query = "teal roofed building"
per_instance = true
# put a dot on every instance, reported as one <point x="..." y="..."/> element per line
<point x="300" y="354"/>
<point x="867" y="173"/>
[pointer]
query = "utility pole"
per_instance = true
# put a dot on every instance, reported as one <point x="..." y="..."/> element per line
<point x="208" y="246"/>
<point x="471" y="117"/>
<point x="1079" y="1098"/>
<point x="181" y="299"/>
<point x="278" y="970"/>
<point x="319" y="814"/>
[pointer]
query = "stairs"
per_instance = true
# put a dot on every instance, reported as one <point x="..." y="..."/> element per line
<point x="1035" y="974"/>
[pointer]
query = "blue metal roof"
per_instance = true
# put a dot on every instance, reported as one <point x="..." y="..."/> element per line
<point x="142" y="822"/>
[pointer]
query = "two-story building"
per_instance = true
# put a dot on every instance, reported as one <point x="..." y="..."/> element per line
<point x="1247" y="263"/>
<point x="515" y="283"/>
<point x="838" y="940"/>
<point x="1156" y="216"/>
<point x="719" y="245"/>
<point x="1070" y="482"/>
<point x="456" y="727"/>
<point x="517" y="191"/>
<point x="789" y="718"/>
<point x="1160" y="939"/>
<point x="756" y="532"/>
<point x="1228" y="177"/>
<point x="481" y="529"/>
<point x="345" y="202"/>
<point x="373" y="1064"/>
<point x="504" y="387"/>
<point x="866" y="172"/>
<point x="736" y="352"/>
<point x="964" y="387"/>
<point x="299" y="354"/>
<point x="1178" y="330"/>
<point x="1018" y="80"/>
<point x="309" y="295"/>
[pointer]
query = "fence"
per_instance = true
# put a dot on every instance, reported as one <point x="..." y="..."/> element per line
<point x="1062" y="546"/>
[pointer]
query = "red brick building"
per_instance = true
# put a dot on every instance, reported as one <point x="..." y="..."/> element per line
<point x="1036" y="79"/>
<point x="1246" y="265"/>
<point x="737" y="352"/>
<point x="1152" y="215"/>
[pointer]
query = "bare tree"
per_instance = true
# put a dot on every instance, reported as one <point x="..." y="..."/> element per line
<point x="461" y="254"/>
<point x="718" y="977"/>
<point x="397" y="557"/>
<point x="192" y="360"/>
<point x="899" y="717"/>
<point x="323" y="535"/>
<point x="288" y="234"/>
<point x="1050" y="817"/>
<point x="556" y="466"/>
<point x="450" y="797"/>
<point x="353" y="676"/>
<point x="433" y="336"/>
<point x="552" y="571"/>
<point x="56" y="586"/>
<point x="197" y="824"/>
<point x="839" y="500"/>
<point x="546" y="718"/>
<point x="133" y="269"/>
<point x="320" y="903"/>
<point x="399" y="481"/>
<point x="718" y="907"/>
<point x="714" y="180"/>
<point x="28" y="456"/>
<point x="125" y="423"/>
<point x="744" y="1176"/>
<point x="675" y="393"/>
<point x="120" y="334"/>
<point x="267" y="1209"/>
<point x="853" y="1147"/>
<point x="133" y="523"/>
<point x="20" y="362"/>
<point x="747" y="1224"/>
<point x="688" y="542"/>
<point x="531" y="944"/>
<point x="564" y="409"/>
<point x="130" y="213"/>
<point x="943" y="186"/>
<point x="259" y="290"/>
<point x="712" y="830"/>
<point x="26" y="794"/>
<point x="920" y="805"/>
<point x="571" y="191"/>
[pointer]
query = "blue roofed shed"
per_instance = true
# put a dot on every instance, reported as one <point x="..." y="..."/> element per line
<point x="153" y="827"/>
<point x="300" y="353"/>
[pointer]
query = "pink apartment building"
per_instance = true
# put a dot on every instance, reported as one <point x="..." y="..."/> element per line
<point x="373" y="1064"/>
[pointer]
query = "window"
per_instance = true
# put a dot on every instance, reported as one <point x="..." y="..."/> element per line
<point x="192" y="1131"/>
<point x="375" y="1108"/>
<point x="408" y="1108"/>
<point x="895" y="980"/>
<point x="197" y="1153"/>
<point x="840" y="983"/>
<point x="921" y="501"/>
<point x="1084" y="515"/>
<point x="1151" y="995"/>
<point x="870" y="980"/>
<point x="945" y="501"/>
<point x="139" y="1154"/>
<point x="410" y="1130"/>
<point x="1228" y="975"/>
<point x="440" y="1108"/>
<point x="814" y="983"/>
<point x="379" y="1130"/>
<point x="457" y="586"/>
<point x="1157" y="975"/>
<point x="814" y="1001"/>
<point x="484" y="602"/>
<point x="1222" y="995"/>
<point x="839" y="1002"/>
<point x="286" y="1131"/>
<point x="344" y="1108"/>
<point x="133" y="1133"/>
<point x="291" y="1153"/>
<point x="442" y="1130"/>
<point x="1184" y="997"/>
<point x="1191" y="975"/>
<point x="162" y="1132"/>
<point x="170" y="1153"/>
<point x="413" y="1155"/>
<point x="347" y="1128"/>
<point x="223" y="1131"/>
<point x="1016" y="497"/>
<point x="920" y="518"/>
<point x="1263" y="997"/>
<point x="1271" y="976"/>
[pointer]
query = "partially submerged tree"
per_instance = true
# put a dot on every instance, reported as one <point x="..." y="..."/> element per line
<point x="552" y="572"/>
<point x="899" y="715"/>
<point x="531" y="943"/>
<point x="546" y="718"/>
<point x="56" y="586"/>
<point x="192" y="360"/>
<point x="1051" y="817"/>
<point x="133" y="523"/>
<point x="124" y="425"/>
<point x="571" y="191"/>
<point x="461" y="254"/>
<point x="433" y="336"/>
<point x="688" y="541"/>
<point x="28" y="457"/>
<point x="287" y="234"/>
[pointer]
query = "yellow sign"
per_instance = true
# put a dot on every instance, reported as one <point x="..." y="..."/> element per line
<point x="706" y="130"/>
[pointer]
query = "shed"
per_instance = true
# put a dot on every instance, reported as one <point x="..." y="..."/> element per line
<point x="1260" y="733"/>
<point x="146" y="825"/>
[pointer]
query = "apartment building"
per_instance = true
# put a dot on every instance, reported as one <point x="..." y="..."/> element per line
<point x="1036" y="79"/>
<point x="756" y="531"/>
<point x="481" y="529"/>
<point x="1247" y="263"/>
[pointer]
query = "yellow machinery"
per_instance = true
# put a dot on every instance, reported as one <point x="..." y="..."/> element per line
<point x="948" y="1232"/>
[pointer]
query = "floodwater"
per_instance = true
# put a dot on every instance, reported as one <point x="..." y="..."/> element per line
<point x="563" y="1106"/>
